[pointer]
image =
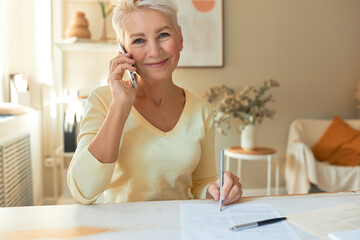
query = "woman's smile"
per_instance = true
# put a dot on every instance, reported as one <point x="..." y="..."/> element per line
<point x="156" y="64"/>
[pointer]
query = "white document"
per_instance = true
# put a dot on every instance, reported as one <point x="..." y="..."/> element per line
<point x="322" y="222"/>
<point x="345" y="235"/>
<point x="205" y="221"/>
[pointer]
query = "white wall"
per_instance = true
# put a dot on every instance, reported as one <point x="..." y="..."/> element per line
<point x="311" y="47"/>
<point x="21" y="41"/>
<point x="25" y="20"/>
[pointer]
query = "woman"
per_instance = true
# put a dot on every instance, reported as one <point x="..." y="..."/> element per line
<point x="155" y="142"/>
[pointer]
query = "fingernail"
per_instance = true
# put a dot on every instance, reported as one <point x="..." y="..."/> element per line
<point x="223" y="197"/>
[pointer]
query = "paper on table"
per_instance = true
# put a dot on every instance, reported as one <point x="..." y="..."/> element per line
<point x="205" y="221"/>
<point x="332" y="219"/>
<point x="345" y="235"/>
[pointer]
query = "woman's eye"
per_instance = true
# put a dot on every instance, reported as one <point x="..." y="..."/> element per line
<point x="164" y="34"/>
<point x="138" y="41"/>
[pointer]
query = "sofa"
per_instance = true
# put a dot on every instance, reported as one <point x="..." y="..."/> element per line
<point x="302" y="170"/>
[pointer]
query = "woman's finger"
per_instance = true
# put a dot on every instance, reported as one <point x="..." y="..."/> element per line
<point x="116" y="62"/>
<point x="228" y="182"/>
<point x="121" y="59"/>
<point x="214" y="190"/>
<point x="118" y="73"/>
<point x="235" y="193"/>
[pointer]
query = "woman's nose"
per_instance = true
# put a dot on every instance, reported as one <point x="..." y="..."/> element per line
<point x="154" y="49"/>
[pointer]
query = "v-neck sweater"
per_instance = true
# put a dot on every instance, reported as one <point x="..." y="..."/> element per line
<point x="152" y="164"/>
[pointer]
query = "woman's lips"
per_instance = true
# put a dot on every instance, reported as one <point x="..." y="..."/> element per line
<point x="156" y="64"/>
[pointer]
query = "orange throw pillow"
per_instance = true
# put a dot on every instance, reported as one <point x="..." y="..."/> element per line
<point x="339" y="145"/>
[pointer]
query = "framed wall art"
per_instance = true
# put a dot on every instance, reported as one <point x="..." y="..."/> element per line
<point x="201" y="23"/>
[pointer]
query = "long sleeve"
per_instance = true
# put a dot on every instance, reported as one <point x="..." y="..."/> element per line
<point x="87" y="177"/>
<point x="205" y="172"/>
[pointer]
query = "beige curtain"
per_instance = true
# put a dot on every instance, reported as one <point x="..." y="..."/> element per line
<point x="4" y="85"/>
<point x="43" y="41"/>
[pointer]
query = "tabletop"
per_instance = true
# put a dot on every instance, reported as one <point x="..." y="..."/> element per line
<point x="138" y="220"/>
<point x="252" y="151"/>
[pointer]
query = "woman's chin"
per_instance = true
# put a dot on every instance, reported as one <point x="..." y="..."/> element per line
<point x="157" y="76"/>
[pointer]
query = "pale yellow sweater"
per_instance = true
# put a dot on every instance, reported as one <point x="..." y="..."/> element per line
<point x="151" y="165"/>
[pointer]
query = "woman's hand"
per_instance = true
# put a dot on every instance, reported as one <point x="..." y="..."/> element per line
<point x="105" y="145"/>
<point x="121" y="90"/>
<point x="231" y="190"/>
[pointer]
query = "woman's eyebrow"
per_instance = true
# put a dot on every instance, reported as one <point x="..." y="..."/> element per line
<point x="143" y="34"/>
<point x="163" y="28"/>
<point x="137" y="35"/>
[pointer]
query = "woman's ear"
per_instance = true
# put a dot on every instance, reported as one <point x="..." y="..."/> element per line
<point x="181" y="39"/>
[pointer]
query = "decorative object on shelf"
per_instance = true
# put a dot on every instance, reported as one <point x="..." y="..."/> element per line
<point x="19" y="89"/>
<point x="104" y="12"/>
<point x="247" y="105"/>
<point x="78" y="27"/>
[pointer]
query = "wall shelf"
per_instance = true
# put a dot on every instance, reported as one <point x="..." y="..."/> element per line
<point x="86" y="46"/>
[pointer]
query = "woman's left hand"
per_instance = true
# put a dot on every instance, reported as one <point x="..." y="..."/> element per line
<point x="231" y="190"/>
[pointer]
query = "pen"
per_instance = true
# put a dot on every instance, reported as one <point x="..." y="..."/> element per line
<point x="256" y="224"/>
<point x="221" y="176"/>
<point x="130" y="73"/>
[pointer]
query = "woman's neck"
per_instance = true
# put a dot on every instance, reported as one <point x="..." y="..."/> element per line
<point x="157" y="92"/>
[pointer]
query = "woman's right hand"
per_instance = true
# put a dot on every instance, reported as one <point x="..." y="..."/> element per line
<point x="121" y="90"/>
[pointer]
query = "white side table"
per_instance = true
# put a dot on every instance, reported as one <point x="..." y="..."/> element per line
<point x="259" y="153"/>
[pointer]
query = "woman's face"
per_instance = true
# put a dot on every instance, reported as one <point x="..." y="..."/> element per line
<point x="153" y="42"/>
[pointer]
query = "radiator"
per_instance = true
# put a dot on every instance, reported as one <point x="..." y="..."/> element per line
<point x="15" y="173"/>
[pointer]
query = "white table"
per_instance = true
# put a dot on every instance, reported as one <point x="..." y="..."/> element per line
<point x="253" y="156"/>
<point x="138" y="220"/>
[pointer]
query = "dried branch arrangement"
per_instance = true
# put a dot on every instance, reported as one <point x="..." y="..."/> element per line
<point x="248" y="105"/>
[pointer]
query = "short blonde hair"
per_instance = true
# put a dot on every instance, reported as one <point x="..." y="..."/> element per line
<point x="123" y="7"/>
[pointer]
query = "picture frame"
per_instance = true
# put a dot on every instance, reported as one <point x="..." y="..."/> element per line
<point x="201" y="24"/>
